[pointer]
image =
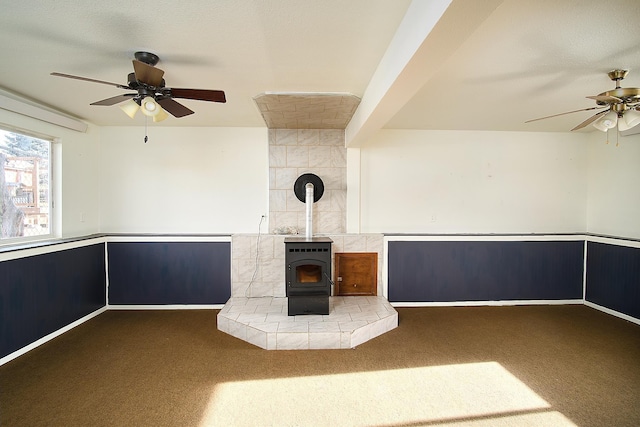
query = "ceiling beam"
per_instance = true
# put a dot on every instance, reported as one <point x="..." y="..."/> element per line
<point x="430" y="32"/>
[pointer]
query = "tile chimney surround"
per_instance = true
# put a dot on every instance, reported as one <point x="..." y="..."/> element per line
<point x="294" y="152"/>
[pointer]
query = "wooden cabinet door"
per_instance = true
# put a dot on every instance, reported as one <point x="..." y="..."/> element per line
<point x="356" y="273"/>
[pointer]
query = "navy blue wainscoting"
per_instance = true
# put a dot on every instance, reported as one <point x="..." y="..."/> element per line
<point x="613" y="277"/>
<point x="169" y="272"/>
<point x="43" y="293"/>
<point x="428" y="271"/>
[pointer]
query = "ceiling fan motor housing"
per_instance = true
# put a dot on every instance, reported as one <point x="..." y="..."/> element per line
<point x="617" y="75"/>
<point x="147" y="57"/>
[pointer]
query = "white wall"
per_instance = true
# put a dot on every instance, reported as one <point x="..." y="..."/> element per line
<point x="613" y="205"/>
<point x="78" y="172"/>
<point x="215" y="180"/>
<point x="183" y="180"/>
<point x="473" y="182"/>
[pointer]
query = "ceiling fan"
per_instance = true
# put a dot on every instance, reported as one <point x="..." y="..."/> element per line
<point x="150" y="95"/>
<point x="620" y="107"/>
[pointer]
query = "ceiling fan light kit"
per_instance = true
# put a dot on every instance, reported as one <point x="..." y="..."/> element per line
<point x="149" y="107"/>
<point x="631" y="119"/>
<point x="130" y="108"/>
<point x="607" y="121"/>
<point x="160" y="116"/>
<point x="151" y="96"/>
<point x="619" y="107"/>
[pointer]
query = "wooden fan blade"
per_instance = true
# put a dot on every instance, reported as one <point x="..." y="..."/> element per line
<point x="562" y="114"/>
<point x="69" y="76"/>
<point x="606" y="98"/>
<point x="175" y="108"/>
<point x="115" y="100"/>
<point x="199" y="94"/>
<point x="148" y="74"/>
<point x="590" y="120"/>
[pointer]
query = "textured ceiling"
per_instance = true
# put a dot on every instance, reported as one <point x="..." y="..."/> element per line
<point x="530" y="59"/>
<point x="525" y="59"/>
<point x="244" y="47"/>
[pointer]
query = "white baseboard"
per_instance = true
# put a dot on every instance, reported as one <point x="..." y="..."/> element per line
<point x="49" y="337"/>
<point x="166" y="307"/>
<point x="487" y="303"/>
<point x="612" y="312"/>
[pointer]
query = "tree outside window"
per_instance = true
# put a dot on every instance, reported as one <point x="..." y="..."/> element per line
<point x="24" y="186"/>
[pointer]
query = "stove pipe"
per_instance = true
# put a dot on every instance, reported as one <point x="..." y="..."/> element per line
<point x="309" y="205"/>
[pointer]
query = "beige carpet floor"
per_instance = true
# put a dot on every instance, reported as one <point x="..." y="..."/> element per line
<point x="455" y="366"/>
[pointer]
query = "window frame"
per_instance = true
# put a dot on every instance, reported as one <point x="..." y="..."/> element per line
<point x="54" y="208"/>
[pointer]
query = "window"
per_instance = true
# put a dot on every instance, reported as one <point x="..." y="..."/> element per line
<point x="25" y="187"/>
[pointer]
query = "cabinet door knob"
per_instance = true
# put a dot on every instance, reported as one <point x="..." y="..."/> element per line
<point x="355" y="285"/>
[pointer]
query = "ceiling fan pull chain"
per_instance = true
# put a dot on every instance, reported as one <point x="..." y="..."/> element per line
<point x="146" y="138"/>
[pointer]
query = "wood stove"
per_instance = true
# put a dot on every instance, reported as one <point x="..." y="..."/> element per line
<point x="308" y="272"/>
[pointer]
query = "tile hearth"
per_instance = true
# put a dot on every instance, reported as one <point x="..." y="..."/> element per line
<point x="264" y="322"/>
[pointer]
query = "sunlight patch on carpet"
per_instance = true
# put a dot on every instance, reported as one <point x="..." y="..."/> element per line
<point x="474" y="394"/>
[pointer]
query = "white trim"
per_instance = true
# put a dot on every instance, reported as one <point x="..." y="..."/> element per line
<point x="55" y="202"/>
<point x="166" y="238"/>
<point x="617" y="241"/>
<point x="612" y="312"/>
<point x="584" y="272"/>
<point x="51" y="336"/>
<point x="486" y="237"/>
<point x="56" y="247"/>
<point x="385" y="268"/>
<point x="166" y="307"/>
<point x="106" y="273"/>
<point x="487" y="303"/>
